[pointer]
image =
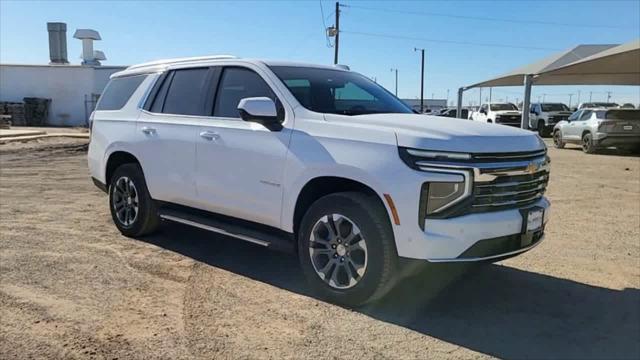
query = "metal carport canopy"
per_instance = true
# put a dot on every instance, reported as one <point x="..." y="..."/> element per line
<point x="581" y="65"/>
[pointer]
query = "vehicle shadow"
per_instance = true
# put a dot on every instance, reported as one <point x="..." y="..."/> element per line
<point x="496" y="310"/>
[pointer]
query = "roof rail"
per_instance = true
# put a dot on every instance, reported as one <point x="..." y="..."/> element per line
<point x="180" y="60"/>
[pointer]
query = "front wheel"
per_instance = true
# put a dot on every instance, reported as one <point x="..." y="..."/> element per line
<point x="346" y="248"/>
<point x="132" y="208"/>
<point x="541" y="131"/>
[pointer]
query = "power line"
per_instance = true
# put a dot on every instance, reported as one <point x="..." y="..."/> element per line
<point x="480" y="18"/>
<point x="391" y="36"/>
<point x="324" y="26"/>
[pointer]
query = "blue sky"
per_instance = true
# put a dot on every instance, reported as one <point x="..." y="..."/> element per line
<point x="134" y="32"/>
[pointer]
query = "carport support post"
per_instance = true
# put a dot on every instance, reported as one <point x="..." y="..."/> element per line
<point x="526" y="102"/>
<point x="459" y="108"/>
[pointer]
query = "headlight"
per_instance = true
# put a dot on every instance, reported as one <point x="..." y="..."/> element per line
<point x="441" y="194"/>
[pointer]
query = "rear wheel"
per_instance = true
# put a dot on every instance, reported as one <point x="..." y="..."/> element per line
<point x="557" y="139"/>
<point x="346" y="248"/>
<point x="132" y="209"/>
<point x="587" y="144"/>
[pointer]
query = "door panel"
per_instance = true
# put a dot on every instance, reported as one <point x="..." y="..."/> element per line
<point x="239" y="169"/>
<point x="240" y="164"/>
<point x="167" y="149"/>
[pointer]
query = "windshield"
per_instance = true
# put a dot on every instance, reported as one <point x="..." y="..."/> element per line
<point x="503" y="107"/>
<point x="554" y="107"/>
<point x="338" y="92"/>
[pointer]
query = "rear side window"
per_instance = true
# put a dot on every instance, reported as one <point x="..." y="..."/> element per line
<point x="118" y="92"/>
<point x="186" y="92"/>
<point x="235" y="85"/>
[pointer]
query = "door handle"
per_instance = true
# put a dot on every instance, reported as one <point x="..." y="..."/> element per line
<point x="210" y="135"/>
<point x="148" y="130"/>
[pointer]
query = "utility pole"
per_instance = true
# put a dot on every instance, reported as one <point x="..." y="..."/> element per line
<point x="544" y="96"/>
<point x="396" y="70"/>
<point x="421" y="81"/>
<point x="447" y="97"/>
<point x="570" y="96"/>
<point x="335" y="56"/>
<point x="490" y="93"/>
<point x="608" y="96"/>
<point x="480" y="98"/>
<point x="590" y="95"/>
<point x="578" y="101"/>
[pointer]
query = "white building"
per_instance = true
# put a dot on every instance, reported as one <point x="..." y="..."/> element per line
<point x="73" y="89"/>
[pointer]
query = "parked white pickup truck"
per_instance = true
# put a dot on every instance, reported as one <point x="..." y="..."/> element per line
<point x="498" y="113"/>
<point x="544" y="116"/>
<point x="316" y="160"/>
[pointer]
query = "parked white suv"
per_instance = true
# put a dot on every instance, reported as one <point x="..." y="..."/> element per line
<point x="498" y="113"/>
<point x="595" y="129"/>
<point x="318" y="160"/>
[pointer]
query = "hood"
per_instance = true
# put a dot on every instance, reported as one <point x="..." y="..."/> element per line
<point x="447" y="134"/>
<point x="563" y="113"/>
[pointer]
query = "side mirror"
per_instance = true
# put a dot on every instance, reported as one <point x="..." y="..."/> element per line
<point x="261" y="110"/>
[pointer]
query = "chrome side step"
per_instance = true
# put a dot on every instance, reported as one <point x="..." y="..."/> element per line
<point x="248" y="231"/>
<point x="214" y="229"/>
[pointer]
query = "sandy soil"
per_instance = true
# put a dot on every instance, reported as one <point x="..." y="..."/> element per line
<point x="72" y="287"/>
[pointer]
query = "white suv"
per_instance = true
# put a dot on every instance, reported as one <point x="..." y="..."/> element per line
<point x="317" y="160"/>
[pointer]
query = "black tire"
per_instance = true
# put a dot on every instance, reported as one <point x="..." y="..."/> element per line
<point x="541" y="130"/>
<point x="146" y="219"/>
<point x="380" y="273"/>
<point x="557" y="140"/>
<point x="587" y="144"/>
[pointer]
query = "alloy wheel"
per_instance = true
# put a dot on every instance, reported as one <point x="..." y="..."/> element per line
<point x="125" y="201"/>
<point x="338" y="251"/>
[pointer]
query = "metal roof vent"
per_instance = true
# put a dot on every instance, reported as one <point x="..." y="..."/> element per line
<point x="89" y="56"/>
<point x="57" y="42"/>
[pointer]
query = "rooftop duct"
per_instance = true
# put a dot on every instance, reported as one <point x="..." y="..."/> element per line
<point x="57" y="42"/>
<point x="89" y="56"/>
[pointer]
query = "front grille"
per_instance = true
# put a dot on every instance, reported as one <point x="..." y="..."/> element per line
<point x="509" y="191"/>
<point x="514" y="156"/>
<point x="557" y="118"/>
<point x="513" y="120"/>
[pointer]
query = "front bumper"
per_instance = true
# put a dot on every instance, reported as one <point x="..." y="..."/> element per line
<point x="483" y="236"/>
<point x="496" y="249"/>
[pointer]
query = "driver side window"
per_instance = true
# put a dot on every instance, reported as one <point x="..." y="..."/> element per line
<point x="236" y="84"/>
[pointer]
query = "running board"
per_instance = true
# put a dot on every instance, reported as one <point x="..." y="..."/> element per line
<point x="236" y="228"/>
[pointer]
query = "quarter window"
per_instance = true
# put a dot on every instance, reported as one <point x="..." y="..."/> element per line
<point x="235" y="85"/>
<point x="185" y="93"/>
<point x="118" y="92"/>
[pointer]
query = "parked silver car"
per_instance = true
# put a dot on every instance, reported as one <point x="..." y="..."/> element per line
<point x="600" y="128"/>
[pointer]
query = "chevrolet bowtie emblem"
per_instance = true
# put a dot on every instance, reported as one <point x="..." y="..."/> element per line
<point x="532" y="168"/>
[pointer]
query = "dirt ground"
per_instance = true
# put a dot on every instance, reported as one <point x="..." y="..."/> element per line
<point x="72" y="287"/>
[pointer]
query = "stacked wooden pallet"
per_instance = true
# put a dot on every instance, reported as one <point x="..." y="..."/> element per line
<point x="15" y="110"/>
